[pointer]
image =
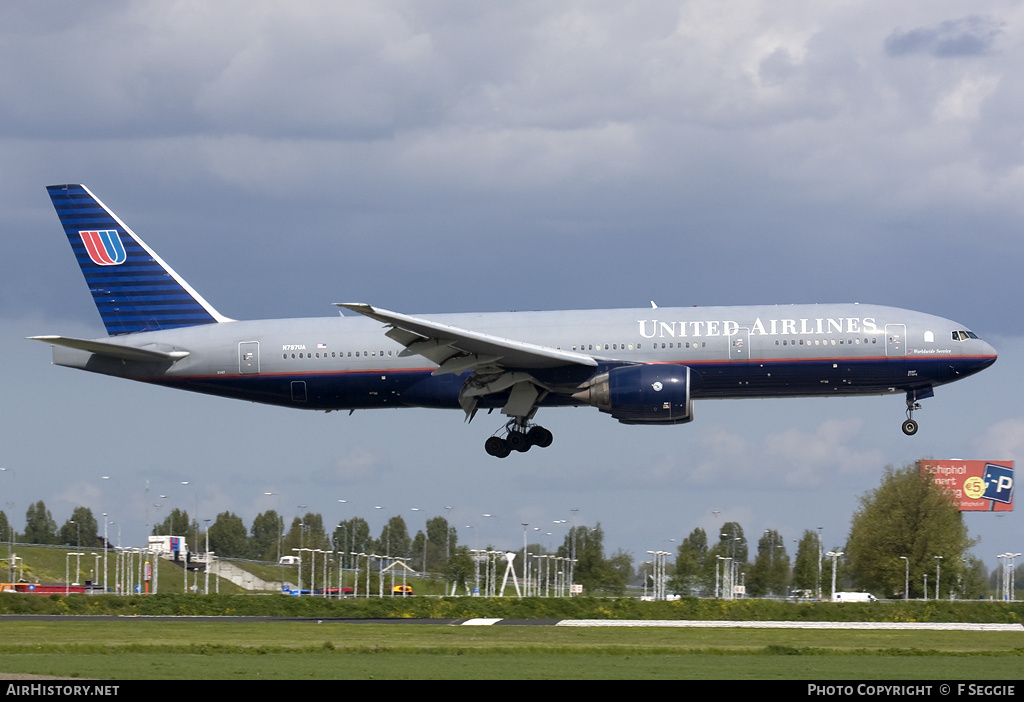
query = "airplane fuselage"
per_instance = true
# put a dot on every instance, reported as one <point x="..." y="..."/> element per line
<point x="345" y="363"/>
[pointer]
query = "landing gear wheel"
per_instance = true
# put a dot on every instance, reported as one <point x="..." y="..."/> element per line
<point x="518" y="441"/>
<point x="518" y="436"/>
<point x="497" y="447"/>
<point x="910" y="427"/>
<point x="539" y="436"/>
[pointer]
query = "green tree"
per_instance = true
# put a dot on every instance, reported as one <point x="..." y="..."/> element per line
<point x="731" y="542"/>
<point x="267" y="532"/>
<point x="770" y="571"/>
<point x="805" y="565"/>
<point x="909" y="516"/>
<point x="460" y="569"/>
<point x="7" y="534"/>
<point x="730" y="551"/>
<point x="81" y="530"/>
<point x="691" y="555"/>
<point x="441" y="540"/>
<point x="352" y="536"/>
<point x="176" y="523"/>
<point x="307" y="532"/>
<point x="394" y="539"/>
<point x="622" y="563"/>
<point x="972" y="583"/>
<point x="39" y="525"/>
<point x="228" y="536"/>
<point x="591" y="569"/>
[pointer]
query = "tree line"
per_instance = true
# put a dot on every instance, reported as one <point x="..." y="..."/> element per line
<point x="902" y="533"/>
<point x="905" y="535"/>
<point x="435" y="548"/>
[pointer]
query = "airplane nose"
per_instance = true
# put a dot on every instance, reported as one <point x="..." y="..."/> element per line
<point x="989" y="350"/>
<point x="987" y="354"/>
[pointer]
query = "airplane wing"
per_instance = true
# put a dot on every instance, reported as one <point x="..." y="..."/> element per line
<point x="118" y="351"/>
<point x="498" y="364"/>
<point x="455" y="349"/>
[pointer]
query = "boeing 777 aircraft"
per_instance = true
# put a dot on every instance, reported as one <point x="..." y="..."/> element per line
<point x="641" y="366"/>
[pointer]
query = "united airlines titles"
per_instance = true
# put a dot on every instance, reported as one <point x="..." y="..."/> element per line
<point x="654" y="328"/>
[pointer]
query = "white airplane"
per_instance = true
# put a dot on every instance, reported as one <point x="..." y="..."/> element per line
<point x="641" y="366"/>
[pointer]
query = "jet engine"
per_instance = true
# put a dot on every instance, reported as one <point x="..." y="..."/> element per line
<point x="654" y="393"/>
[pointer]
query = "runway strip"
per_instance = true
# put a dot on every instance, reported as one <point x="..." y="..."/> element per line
<point x="680" y="623"/>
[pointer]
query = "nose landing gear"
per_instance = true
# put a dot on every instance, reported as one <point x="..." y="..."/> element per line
<point x="909" y="425"/>
<point x="519" y="436"/>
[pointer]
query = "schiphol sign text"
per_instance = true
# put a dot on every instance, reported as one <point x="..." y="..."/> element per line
<point x="976" y="486"/>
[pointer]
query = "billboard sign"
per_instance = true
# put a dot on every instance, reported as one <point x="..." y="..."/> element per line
<point x="977" y="486"/>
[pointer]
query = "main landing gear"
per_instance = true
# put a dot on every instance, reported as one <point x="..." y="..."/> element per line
<point x="519" y="436"/>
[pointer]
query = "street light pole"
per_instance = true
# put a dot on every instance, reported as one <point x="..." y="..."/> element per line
<point x="820" y="551"/>
<point x="906" y="579"/>
<point x="834" y="555"/>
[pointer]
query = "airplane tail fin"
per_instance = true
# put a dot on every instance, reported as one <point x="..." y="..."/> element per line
<point x="134" y="290"/>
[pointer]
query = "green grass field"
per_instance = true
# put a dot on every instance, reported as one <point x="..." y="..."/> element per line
<point x="137" y="648"/>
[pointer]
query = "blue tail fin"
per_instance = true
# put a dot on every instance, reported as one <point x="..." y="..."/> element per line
<point x="133" y="289"/>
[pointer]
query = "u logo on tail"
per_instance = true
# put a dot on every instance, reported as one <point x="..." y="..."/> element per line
<point x="104" y="247"/>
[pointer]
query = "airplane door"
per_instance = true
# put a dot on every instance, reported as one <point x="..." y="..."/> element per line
<point x="249" y="357"/>
<point x="895" y="340"/>
<point x="739" y="345"/>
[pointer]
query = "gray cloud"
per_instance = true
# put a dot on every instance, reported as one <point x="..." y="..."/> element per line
<point x="968" y="36"/>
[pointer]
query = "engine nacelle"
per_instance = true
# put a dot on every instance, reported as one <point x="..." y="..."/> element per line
<point x="655" y="393"/>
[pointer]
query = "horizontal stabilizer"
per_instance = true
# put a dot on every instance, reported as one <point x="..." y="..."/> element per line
<point x="118" y="351"/>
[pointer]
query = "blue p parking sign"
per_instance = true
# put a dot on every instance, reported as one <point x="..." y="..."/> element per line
<point x="998" y="483"/>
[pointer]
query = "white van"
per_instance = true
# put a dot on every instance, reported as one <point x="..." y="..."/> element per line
<point x="854" y="597"/>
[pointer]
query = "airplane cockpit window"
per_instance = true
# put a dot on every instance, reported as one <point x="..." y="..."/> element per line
<point x="964" y="335"/>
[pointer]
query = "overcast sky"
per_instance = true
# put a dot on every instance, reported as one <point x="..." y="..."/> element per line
<point x="488" y="156"/>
